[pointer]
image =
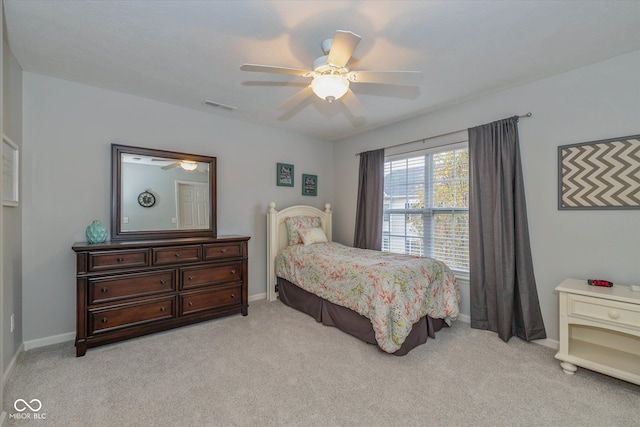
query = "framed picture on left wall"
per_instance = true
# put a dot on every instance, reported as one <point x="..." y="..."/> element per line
<point x="284" y="175"/>
<point x="10" y="173"/>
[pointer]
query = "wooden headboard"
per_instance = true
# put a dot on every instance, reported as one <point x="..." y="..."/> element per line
<point x="277" y="238"/>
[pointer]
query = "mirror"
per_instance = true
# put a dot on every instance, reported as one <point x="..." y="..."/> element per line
<point x="157" y="194"/>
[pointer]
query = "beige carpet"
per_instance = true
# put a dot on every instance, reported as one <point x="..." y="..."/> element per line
<point x="279" y="367"/>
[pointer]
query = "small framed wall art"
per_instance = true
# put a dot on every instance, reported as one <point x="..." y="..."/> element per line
<point x="10" y="173"/>
<point x="309" y="185"/>
<point x="284" y="175"/>
<point x="601" y="174"/>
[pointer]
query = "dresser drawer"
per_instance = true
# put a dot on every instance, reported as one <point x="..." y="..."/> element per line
<point x="598" y="309"/>
<point x="113" y="288"/>
<point x="177" y="254"/>
<point x="100" y="261"/>
<point x="103" y="320"/>
<point x="205" y="300"/>
<point x="210" y="275"/>
<point x="227" y="250"/>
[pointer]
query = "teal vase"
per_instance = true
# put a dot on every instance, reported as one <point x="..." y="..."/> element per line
<point x="96" y="232"/>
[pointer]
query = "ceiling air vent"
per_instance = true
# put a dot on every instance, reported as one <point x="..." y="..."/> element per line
<point x="219" y="105"/>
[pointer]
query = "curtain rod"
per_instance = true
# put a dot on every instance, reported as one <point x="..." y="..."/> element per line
<point x="441" y="135"/>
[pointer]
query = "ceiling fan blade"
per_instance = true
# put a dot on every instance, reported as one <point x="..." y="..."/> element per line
<point x="171" y="166"/>
<point x="344" y="43"/>
<point x="296" y="99"/>
<point x="353" y="104"/>
<point x="409" y="78"/>
<point x="276" y="70"/>
<point x="296" y="103"/>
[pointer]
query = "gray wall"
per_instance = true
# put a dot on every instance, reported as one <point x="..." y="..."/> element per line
<point x="591" y="103"/>
<point x="11" y="215"/>
<point x="3" y="414"/>
<point x="68" y="129"/>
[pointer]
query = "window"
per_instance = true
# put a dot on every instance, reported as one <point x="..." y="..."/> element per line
<point x="426" y="206"/>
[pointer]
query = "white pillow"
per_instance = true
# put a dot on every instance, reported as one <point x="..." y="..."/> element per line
<point x="313" y="235"/>
<point x="295" y="223"/>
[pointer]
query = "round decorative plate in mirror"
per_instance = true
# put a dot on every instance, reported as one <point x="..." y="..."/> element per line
<point x="146" y="199"/>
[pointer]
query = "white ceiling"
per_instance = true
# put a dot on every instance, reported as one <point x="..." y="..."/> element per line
<point x="185" y="52"/>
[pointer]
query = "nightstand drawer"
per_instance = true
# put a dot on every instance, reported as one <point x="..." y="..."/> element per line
<point x="131" y="314"/>
<point x="113" y="260"/>
<point x="201" y="276"/>
<point x="174" y="255"/>
<point x="613" y="312"/>
<point x="227" y="250"/>
<point x="200" y="301"/>
<point x="113" y="288"/>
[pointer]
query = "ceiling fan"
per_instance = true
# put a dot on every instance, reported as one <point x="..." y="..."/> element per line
<point x="331" y="74"/>
<point x="187" y="165"/>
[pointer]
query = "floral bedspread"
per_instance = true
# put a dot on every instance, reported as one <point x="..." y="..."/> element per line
<point x="393" y="291"/>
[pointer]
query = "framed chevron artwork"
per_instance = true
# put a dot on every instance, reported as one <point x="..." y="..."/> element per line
<point x="600" y="174"/>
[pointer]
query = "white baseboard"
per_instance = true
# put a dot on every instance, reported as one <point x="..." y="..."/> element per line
<point x="258" y="297"/>
<point x="43" y="342"/>
<point x="554" y="344"/>
<point x="545" y="342"/>
<point x="71" y="336"/>
<point x="11" y="365"/>
<point x="5" y="377"/>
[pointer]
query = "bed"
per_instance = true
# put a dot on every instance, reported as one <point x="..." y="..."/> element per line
<point x="392" y="301"/>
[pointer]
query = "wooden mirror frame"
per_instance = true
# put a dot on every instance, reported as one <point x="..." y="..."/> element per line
<point x="116" y="191"/>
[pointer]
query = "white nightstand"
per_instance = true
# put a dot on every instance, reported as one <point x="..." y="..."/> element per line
<point x="600" y="329"/>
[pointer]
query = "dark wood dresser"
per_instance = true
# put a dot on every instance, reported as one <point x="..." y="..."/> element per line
<point x="126" y="289"/>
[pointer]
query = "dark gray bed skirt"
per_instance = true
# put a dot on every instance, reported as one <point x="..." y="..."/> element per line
<point x="350" y="321"/>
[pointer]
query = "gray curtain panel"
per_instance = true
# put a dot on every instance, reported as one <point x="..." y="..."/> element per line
<point x="504" y="298"/>
<point x="368" y="234"/>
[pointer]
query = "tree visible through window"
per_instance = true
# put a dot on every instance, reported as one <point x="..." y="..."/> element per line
<point x="426" y="207"/>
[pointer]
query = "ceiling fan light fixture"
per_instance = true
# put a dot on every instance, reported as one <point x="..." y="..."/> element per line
<point x="330" y="86"/>
<point x="188" y="165"/>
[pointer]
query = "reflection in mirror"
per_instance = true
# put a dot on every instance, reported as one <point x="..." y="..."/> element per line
<point x="159" y="194"/>
<point x="163" y="194"/>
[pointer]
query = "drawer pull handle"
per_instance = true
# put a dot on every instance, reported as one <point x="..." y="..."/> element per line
<point x="223" y="250"/>
<point x="190" y="277"/>
<point x="105" y="320"/>
<point x="177" y="254"/>
<point x="104" y="290"/>
<point x="614" y="314"/>
<point x="233" y="295"/>
<point x="190" y="303"/>
<point x="233" y="271"/>
<point x="162" y="309"/>
<point x="163" y="282"/>
<point x="120" y="259"/>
